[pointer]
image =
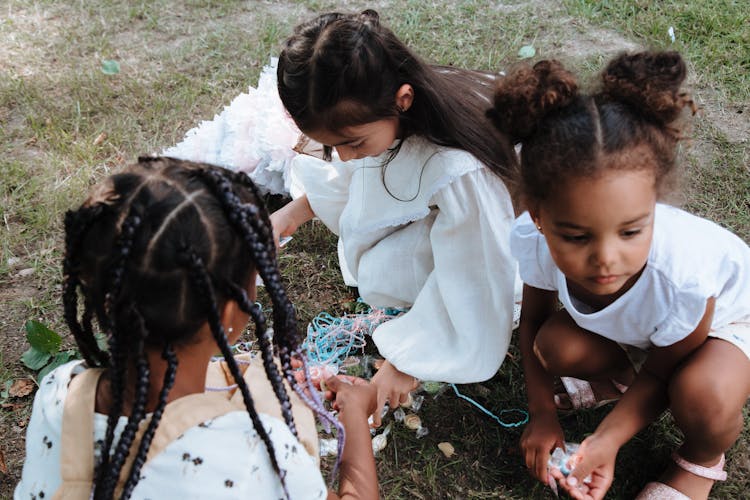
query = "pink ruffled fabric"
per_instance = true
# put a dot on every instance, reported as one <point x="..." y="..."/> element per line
<point x="254" y="134"/>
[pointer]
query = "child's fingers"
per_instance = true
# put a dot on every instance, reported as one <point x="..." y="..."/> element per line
<point x="332" y="383"/>
<point x="582" y="470"/>
<point x="540" y="466"/>
<point x="377" y="416"/>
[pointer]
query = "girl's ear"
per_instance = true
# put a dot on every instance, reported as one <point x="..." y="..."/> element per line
<point x="533" y="208"/>
<point x="404" y="97"/>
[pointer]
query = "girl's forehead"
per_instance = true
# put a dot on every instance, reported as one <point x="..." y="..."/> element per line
<point x="347" y="134"/>
<point x="614" y="195"/>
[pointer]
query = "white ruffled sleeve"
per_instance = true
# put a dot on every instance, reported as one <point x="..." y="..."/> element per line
<point x="535" y="264"/>
<point x="326" y="185"/>
<point x="459" y="327"/>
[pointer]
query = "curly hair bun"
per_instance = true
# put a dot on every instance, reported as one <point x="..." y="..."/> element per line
<point x="528" y="94"/>
<point x="649" y="83"/>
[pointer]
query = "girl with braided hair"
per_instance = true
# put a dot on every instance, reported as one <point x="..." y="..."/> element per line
<point x="164" y="255"/>
<point x="656" y="300"/>
<point x="415" y="193"/>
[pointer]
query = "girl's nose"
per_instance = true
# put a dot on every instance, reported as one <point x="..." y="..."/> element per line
<point x="605" y="254"/>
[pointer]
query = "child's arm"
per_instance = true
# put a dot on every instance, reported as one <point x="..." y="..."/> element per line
<point x="543" y="433"/>
<point x="355" y="401"/>
<point x="288" y="218"/>
<point x="643" y="402"/>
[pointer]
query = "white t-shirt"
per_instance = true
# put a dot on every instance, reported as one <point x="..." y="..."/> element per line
<point x="691" y="259"/>
<point x="221" y="458"/>
<point x="429" y="232"/>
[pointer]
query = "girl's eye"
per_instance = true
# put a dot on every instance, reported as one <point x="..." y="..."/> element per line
<point x="575" y="238"/>
<point x="631" y="232"/>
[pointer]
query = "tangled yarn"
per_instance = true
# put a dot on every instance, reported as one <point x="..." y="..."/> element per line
<point x="332" y="340"/>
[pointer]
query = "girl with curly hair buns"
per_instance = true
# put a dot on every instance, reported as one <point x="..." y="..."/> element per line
<point x="164" y="255"/>
<point x="656" y="300"/>
<point x="415" y="193"/>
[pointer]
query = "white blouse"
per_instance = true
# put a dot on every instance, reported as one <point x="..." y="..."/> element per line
<point x="430" y="231"/>
<point x="690" y="260"/>
<point x="221" y="458"/>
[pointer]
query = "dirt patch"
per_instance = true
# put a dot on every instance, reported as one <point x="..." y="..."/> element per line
<point x="585" y="42"/>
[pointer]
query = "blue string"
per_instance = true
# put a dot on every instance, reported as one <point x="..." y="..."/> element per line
<point x="331" y="340"/>
<point x="492" y="415"/>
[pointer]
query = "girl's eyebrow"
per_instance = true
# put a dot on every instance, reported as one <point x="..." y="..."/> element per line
<point x="571" y="225"/>
<point x="348" y="141"/>
<point x="637" y="219"/>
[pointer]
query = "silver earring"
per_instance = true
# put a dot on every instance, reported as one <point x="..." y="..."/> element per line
<point x="230" y="330"/>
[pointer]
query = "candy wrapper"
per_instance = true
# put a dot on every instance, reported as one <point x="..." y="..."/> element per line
<point x="565" y="461"/>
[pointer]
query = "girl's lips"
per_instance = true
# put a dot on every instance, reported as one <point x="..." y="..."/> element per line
<point x="605" y="280"/>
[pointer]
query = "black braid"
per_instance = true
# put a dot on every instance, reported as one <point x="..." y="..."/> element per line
<point x="76" y="224"/>
<point x="137" y="413"/>
<point x="169" y="356"/>
<point x="255" y="227"/>
<point x="110" y="466"/>
<point x="253" y="224"/>
<point x="264" y="335"/>
<point x="203" y="282"/>
<point x="284" y="316"/>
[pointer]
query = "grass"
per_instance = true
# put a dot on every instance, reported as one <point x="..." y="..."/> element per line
<point x="180" y="62"/>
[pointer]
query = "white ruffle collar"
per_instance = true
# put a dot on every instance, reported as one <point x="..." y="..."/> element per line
<point x="385" y="195"/>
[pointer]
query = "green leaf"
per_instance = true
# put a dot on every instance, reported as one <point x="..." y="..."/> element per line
<point x="60" y="359"/>
<point x="42" y="338"/>
<point x="110" y="67"/>
<point x="35" y="359"/>
<point x="6" y="389"/>
<point x="526" y="52"/>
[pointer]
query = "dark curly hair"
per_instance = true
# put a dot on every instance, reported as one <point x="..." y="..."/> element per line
<point x="632" y="121"/>
<point x="155" y="252"/>
<point x="341" y="70"/>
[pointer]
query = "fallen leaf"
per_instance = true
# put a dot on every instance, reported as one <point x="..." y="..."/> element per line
<point x="21" y="387"/>
<point x="12" y="406"/>
<point x="526" y="52"/>
<point x="447" y="449"/>
<point x="3" y="466"/>
<point x="100" y="138"/>
<point x="110" y="67"/>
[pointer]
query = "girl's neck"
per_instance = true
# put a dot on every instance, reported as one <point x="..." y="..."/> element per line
<point x="190" y="378"/>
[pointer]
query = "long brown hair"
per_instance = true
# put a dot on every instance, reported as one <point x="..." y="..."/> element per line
<point x="340" y="70"/>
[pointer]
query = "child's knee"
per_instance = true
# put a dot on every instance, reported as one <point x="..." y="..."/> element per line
<point x="554" y="357"/>
<point x="698" y="403"/>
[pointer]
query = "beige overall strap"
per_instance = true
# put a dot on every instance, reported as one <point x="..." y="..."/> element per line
<point x="179" y="416"/>
<point x="77" y="440"/>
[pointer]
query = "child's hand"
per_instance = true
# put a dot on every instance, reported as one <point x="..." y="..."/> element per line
<point x="282" y="224"/>
<point x="541" y="435"/>
<point x="288" y="218"/>
<point x="351" y="393"/>
<point x="393" y="386"/>
<point x="598" y="456"/>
